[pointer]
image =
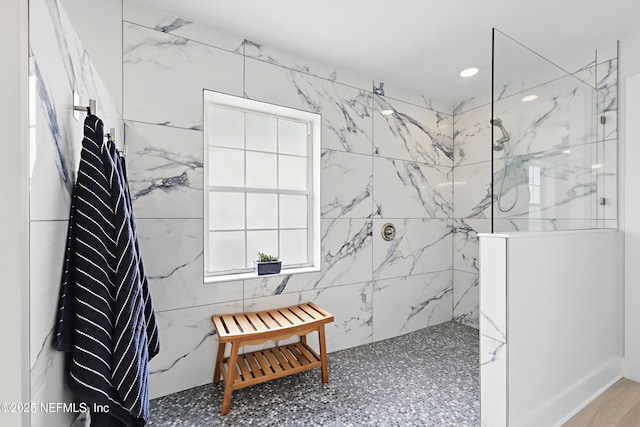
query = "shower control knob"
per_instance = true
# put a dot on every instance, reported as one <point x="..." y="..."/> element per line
<point x="388" y="231"/>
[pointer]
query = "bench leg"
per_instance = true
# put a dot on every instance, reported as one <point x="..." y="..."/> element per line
<point x="231" y="377"/>
<point x="217" y="373"/>
<point x="323" y="354"/>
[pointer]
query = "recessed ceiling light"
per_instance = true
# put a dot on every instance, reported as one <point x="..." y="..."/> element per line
<point x="596" y="166"/>
<point x="386" y="112"/>
<point x="529" y="98"/>
<point x="567" y="151"/>
<point x="469" y="72"/>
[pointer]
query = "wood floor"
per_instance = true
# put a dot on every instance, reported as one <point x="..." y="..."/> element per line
<point x="619" y="406"/>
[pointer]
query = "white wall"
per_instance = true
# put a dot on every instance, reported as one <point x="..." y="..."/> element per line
<point x="629" y="154"/>
<point x="14" y="361"/>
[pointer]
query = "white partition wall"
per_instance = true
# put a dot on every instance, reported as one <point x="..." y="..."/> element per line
<point x="550" y="324"/>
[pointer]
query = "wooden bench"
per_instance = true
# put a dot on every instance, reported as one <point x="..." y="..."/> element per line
<point x="263" y="365"/>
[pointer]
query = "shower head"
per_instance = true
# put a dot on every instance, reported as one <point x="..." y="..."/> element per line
<point x="506" y="136"/>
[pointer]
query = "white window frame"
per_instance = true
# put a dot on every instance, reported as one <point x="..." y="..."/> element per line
<point x="314" y="120"/>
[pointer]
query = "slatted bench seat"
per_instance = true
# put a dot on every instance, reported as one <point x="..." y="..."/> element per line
<point x="244" y="370"/>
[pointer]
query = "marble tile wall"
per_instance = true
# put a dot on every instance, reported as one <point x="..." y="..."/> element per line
<point x="574" y="153"/>
<point x="59" y="65"/>
<point x="375" y="169"/>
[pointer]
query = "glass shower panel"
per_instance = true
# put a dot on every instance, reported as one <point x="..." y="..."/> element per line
<point x="547" y="156"/>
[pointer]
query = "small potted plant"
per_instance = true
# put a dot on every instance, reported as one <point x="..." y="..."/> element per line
<point x="267" y="264"/>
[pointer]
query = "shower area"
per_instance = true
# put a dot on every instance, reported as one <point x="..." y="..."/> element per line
<point x="537" y="155"/>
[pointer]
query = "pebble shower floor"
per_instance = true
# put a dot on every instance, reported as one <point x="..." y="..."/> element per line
<point x="430" y="377"/>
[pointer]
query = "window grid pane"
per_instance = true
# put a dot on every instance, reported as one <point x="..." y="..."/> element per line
<point x="274" y="217"/>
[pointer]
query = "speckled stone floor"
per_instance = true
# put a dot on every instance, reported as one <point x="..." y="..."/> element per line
<point x="430" y="377"/>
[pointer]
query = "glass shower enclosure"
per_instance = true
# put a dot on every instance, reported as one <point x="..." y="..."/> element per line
<point x="554" y="141"/>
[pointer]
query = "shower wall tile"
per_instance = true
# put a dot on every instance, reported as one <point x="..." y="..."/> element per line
<point x="346" y="253"/>
<point x="472" y="136"/>
<point x="465" y="243"/>
<point x="47" y="365"/>
<point x="347" y="185"/>
<point x="164" y="76"/>
<point x="412" y="133"/>
<point x="421" y="100"/>
<point x="172" y="251"/>
<point x="351" y="306"/>
<point x="165" y="171"/>
<point x="170" y="24"/>
<point x="346" y="111"/>
<point x="406" y="304"/>
<point x="59" y="65"/>
<point x="472" y="191"/>
<point x="420" y="246"/>
<point x="188" y="348"/>
<point x="257" y="50"/>
<point x="466" y="298"/>
<point x="411" y="190"/>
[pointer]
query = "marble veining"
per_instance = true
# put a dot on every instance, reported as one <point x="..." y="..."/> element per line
<point x="346" y="111"/>
<point x="59" y="65"/>
<point x="411" y="133"/>
<point x="420" y="246"/>
<point x="411" y="190"/>
<point x="165" y="169"/>
<point x="347" y="180"/>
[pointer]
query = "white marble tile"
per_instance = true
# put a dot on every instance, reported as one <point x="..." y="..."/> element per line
<point x="466" y="298"/>
<point x="47" y="365"/>
<point x="472" y="191"/>
<point x="351" y="306"/>
<point x="165" y="171"/>
<point x="164" y="76"/>
<point x="59" y="65"/>
<point x="465" y="243"/>
<point x="472" y="136"/>
<point x="346" y="246"/>
<point x="412" y="133"/>
<point x="420" y="246"/>
<point x="188" y="348"/>
<point x="406" y="304"/>
<point x="172" y="250"/>
<point x="421" y="100"/>
<point x="170" y="24"/>
<point x="272" y="55"/>
<point x="411" y="190"/>
<point x="493" y="382"/>
<point x="493" y="287"/>
<point x="347" y="185"/>
<point x="346" y="111"/>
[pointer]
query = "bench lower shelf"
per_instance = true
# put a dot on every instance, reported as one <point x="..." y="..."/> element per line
<point x="264" y="365"/>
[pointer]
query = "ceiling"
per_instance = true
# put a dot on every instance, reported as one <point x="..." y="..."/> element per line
<point x="417" y="45"/>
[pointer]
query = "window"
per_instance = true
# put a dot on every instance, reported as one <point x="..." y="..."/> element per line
<point x="262" y="186"/>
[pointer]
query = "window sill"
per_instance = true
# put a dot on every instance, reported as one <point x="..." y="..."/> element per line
<point x="248" y="276"/>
